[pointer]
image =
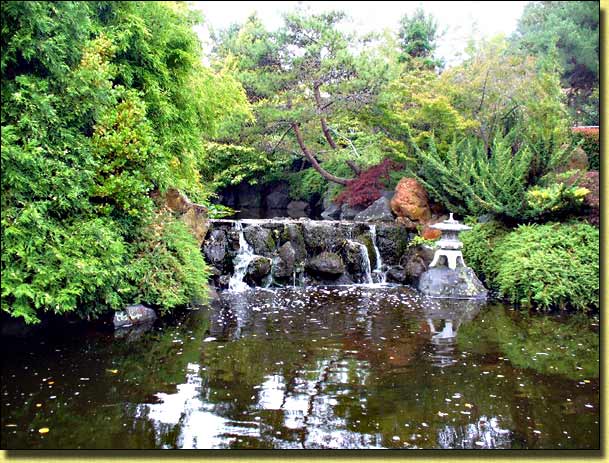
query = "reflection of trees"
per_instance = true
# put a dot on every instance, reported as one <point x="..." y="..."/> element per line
<point x="545" y="344"/>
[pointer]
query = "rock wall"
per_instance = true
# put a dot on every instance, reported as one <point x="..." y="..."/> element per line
<point x="304" y="251"/>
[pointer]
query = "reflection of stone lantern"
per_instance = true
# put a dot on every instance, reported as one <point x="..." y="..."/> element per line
<point x="447" y="275"/>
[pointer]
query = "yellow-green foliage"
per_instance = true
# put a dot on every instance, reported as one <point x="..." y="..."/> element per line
<point x="545" y="266"/>
<point x="102" y="104"/>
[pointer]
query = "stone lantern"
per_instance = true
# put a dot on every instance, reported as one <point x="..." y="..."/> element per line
<point x="448" y="276"/>
<point x="449" y="245"/>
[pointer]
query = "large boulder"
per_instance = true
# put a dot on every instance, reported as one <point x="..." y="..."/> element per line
<point x="326" y="265"/>
<point x="192" y="214"/>
<point x="352" y="256"/>
<point x="278" y="197"/>
<point x="411" y="201"/>
<point x="215" y="249"/>
<point x="294" y="234"/>
<point x="461" y="283"/>
<point x="133" y="315"/>
<point x="286" y="258"/>
<point x="258" y="270"/>
<point x="392" y="241"/>
<point x="249" y="196"/>
<point x="321" y="236"/>
<point x="260" y="238"/>
<point x="378" y="211"/>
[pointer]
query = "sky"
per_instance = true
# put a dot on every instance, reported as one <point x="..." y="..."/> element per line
<point x="459" y="20"/>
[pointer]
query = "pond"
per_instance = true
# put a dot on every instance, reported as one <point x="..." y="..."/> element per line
<point x="361" y="366"/>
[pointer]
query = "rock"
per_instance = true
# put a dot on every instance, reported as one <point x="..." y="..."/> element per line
<point x="429" y="233"/>
<point x="260" y="238"/>
<point x="352" y="256"/>
<point x="379" y="210"/>
<point x="249" y="196"/>
<point x="278" y="197"/>
<point x="257" y="270"/>
<point x="321" y="236"/>
<point x="411" y="201"/>
<point x="215" y="249"/>
<point x="392" y="241"/>
<point x="397" y="274"/>
<point x="326" y="265"/>
<point x="406" y="223"/>
<point x="130" y="333"/>
<point x="294" y="234"/>
<point x="461" y="283"/>
<point x="284" y="268"/>
<point x="298" y="209"/>
<point x="348" y="213"/>
<point x="133" y="315"/>
<point x="415" y="261"/>
<point x="192" y="214"/>
<point x="332" y="212"/>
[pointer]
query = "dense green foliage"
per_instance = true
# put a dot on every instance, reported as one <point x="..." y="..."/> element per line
<point x="571" y="30"/>
<point x="418" y="34"/>
<point x="510" y="178"/>
<point x="546" y="266"/>
<point x="103" y="103"/>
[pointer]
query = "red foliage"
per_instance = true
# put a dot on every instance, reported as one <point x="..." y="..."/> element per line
<point x="591" y="130"/>
<point x="367" y="188"/>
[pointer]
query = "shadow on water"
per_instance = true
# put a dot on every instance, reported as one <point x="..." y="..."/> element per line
<point x="311" y="368"/>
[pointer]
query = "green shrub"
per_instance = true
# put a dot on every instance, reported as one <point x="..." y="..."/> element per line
<point x="478" y="246"/>
<point x="169" y="269"/>
<point x="551" y="265"/>
<point x="545" y="266"/>
<point x="102" y="104"/>
<point x="471" y="178"/>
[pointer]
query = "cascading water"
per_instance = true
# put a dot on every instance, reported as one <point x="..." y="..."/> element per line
<point x="242" y="260"/>
<point x="378" y="268"/>
<point x="365" y="261"/>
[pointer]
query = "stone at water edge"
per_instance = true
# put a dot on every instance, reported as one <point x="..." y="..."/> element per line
<point x="461" y="283"/>
<point x="326" y="264"/>
<point x="379" y="210"/>
<point x="285" y="265"/>
<point x="257" y="270"/>
<point x="133" y="315"/>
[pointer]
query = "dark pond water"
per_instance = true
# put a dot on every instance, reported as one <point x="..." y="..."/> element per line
<point x="342" y="367"/>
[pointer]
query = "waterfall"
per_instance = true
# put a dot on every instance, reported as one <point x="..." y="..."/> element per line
<point x="365" y="261"/>
<point x="378" y="269"/>
<point x="242" y="260"/>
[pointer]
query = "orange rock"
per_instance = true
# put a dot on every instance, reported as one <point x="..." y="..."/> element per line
<point x="431" y="233"/>
<point x="411" y="201"/>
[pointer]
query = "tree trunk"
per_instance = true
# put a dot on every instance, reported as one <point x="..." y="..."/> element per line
<point x="324" y="125"/>
<point x="324" y="173"/>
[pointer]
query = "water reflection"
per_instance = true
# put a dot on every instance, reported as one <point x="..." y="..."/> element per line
<point x="444" y="317"/>
<point x="342" y="367"/>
